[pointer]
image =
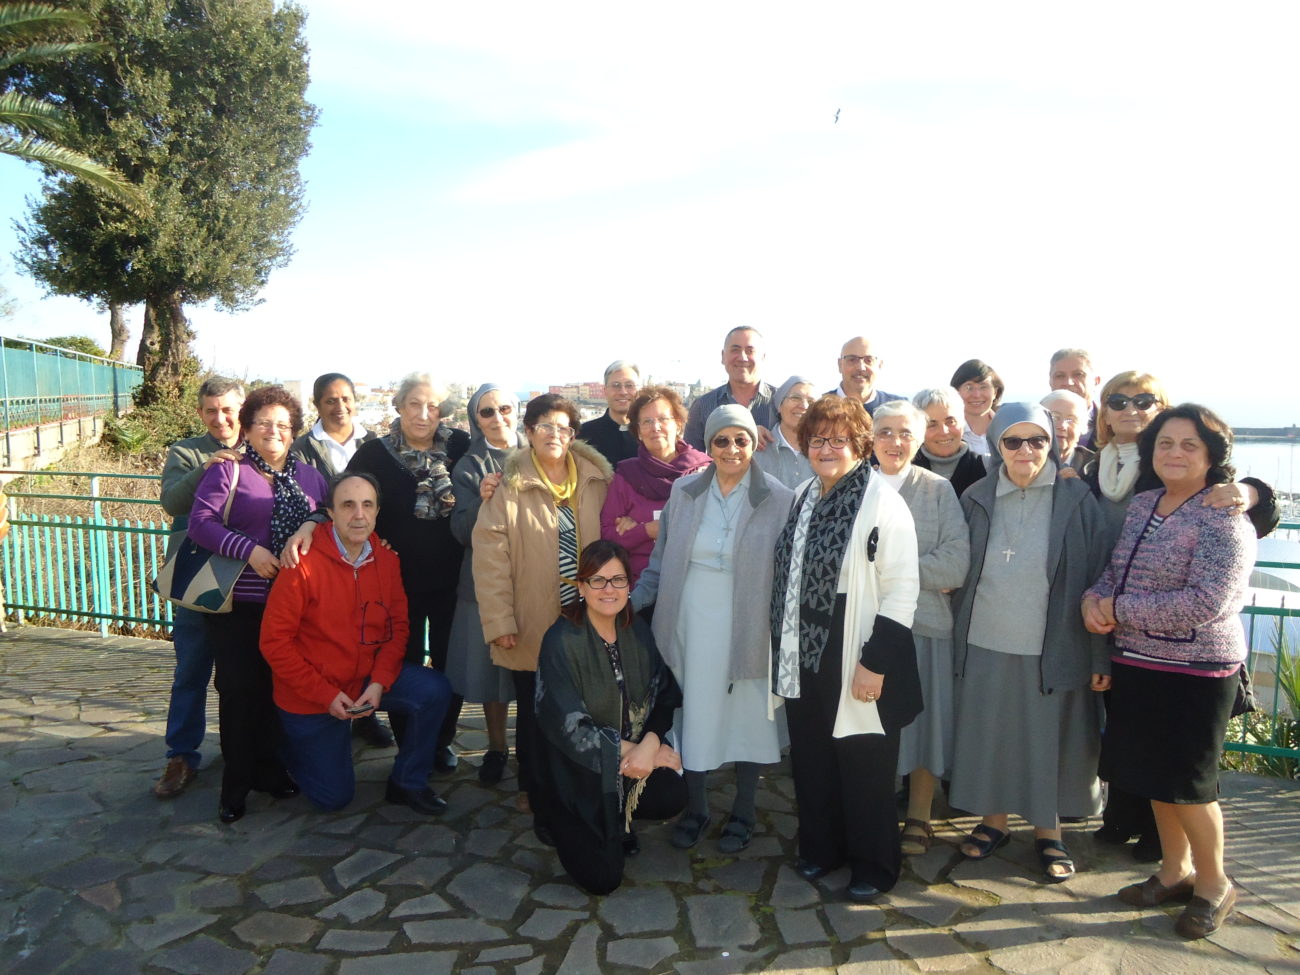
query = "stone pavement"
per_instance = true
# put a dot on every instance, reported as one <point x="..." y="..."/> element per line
<point x="98" y="876"/>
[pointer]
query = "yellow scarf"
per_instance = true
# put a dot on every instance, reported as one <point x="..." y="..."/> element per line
<point x="568" y="491"/>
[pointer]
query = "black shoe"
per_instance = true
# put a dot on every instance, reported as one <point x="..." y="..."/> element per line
<point x="421" y="800"/>
<point x="1110" y="833"/>
<point x="631" y="845"/>
<point x="809" y="870"/>
<point x="231" y="812"/>
<point x="282" y="788"/>
<point x="1147" y="848"/>
<point x="445" y="761"/>
<point x="493" y="767"/>
<point x="862" y="890"/>
<point x="370" y="730"/>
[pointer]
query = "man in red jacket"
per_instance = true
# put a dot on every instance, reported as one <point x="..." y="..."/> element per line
<point x="334" y="634"/>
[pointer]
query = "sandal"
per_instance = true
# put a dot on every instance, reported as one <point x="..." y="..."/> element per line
<point x="1060" y="862"/>
<point x="916" y="837"/>
<point x="689" y="829"/>
<point x="986" y="840"/>
<point x="735" y="835"/>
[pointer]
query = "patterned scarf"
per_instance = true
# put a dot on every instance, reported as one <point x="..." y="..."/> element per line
<point x="653" y="478"/>
<point x="820" y="527"/>
<point x="433" y="497"/>
<point x="289" y="506"/>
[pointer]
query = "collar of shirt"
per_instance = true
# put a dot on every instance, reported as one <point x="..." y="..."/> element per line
<point x="361" y="559"/>
<point x="318" y="432"/>
<point x="1046" y="478"/>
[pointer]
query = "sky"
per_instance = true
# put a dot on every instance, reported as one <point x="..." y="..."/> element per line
<point x="521" y="193"/>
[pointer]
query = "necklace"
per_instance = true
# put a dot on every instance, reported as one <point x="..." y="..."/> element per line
<point x="1010" y="550"/>
<point x="727" y="518"/>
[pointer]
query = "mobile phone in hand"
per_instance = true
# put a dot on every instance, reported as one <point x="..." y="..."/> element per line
<point x="361" y="709"/>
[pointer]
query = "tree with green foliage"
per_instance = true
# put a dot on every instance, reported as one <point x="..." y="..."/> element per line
<point x="203" y="102"/>
<point x="33" y="128"/>
<point x="77" y="343"/>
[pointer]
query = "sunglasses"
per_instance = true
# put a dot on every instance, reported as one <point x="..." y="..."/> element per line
<point x="1142" y="401"/>
<point x="486" y="412"/>
<point x="722" y="443"/>
<point x="1036" y="442"/>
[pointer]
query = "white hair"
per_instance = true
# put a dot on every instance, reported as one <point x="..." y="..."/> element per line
<point x="901" y="407"/>
<point x="1065" y="397"/>
<point x="944" y="395"/>
<point x="437" y="392"/>
<point x="618" y="364"/>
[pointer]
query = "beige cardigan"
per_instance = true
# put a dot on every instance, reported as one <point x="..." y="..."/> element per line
<point x="517" y="550"/>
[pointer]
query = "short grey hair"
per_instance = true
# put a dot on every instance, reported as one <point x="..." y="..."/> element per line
<point x="739" y="328"/>
<point x="900" y="407"/>
<point x="217" y="386"/>
<point x="1060" y="354"/>
<point x="1065" y="396"/>
<point x="945" y="396"/>
<point x="437" y="392"/>
<point x="618" y="364"/>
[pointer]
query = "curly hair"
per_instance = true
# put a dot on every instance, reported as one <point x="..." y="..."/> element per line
<point x="833" y="412"/>
<point x="264" y="396"/>
<point x="1214" y="433"/>
<point x="539" y="406"/>
<point x="647" y="395"/>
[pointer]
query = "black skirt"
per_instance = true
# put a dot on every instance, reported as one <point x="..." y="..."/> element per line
<point x="1164" y="733"/>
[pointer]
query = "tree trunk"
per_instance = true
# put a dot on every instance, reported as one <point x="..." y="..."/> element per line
<point x="118" y="331"/>
<point x="164" y="366"/>
<point x="148" y="350"/>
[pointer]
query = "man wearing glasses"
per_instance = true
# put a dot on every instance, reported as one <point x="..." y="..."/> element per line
<point x="1072" y="369"/>
<point x="609" y="433"/>
<point x="334" y="634"/>
<point x="858" y="369"/>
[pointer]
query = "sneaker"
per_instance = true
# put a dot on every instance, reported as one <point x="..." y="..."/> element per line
<point x="493" y="767"/>
<point x="176" y="776"/>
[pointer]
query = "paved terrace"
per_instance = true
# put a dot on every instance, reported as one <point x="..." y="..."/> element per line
<point x="98" y="876"/>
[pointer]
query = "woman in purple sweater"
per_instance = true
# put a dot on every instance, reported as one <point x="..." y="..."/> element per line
<point x="273" y="494"/>
<point x="1169" y="599"/>
<point x="641" y="484"/>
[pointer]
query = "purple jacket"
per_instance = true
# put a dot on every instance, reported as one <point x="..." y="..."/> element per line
<point x="250" y="517"/>
<point x="623" y="501"/>
<point x="1177" y="594"/>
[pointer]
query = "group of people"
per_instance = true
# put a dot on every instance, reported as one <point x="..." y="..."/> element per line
<point x="1003" y="597"/>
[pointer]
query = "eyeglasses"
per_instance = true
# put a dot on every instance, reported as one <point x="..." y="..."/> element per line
<point x="600" y="582"/>
<point x="798" y="399"/>
<point x="740" y="440"/>
<point x="837" y="443"/>
<point x="1142" y="401"/>
<point x="1036" y="442"/>
<point x="487" y="412"/>
<point x="551" y="430"/>
<point x="649" y="422"/>
<point x="860" y="360"/>
<point x="624" y="387"/>
<point x="902" y="436"/>
<point x="376" y="624"/>
<point x="270" y="426"/>
<point x="1065" y="419"/>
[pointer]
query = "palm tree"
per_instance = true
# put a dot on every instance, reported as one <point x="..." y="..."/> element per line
<point x="32" y="128"/>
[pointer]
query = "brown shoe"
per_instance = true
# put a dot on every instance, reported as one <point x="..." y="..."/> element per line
<point x="1152" y="893"/>
<point x="176" y="776"/>
<point x="1200" y="917"/>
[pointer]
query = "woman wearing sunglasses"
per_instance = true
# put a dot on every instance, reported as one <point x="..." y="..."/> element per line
<point x="843" y="600"/>
<point x="641" y="484"/>
<point x="493" y="415"/>
<point x="711" y="565"/>
<point x="1027" y="720"/>
<point x="1129" y="402"/>
<point x="605" y="702"/>
<point x="526" y="543"/>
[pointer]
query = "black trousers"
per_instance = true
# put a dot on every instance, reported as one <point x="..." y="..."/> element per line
<point x="526" y="732"/>
<point x="595" y="862"/>
<point x="433" y="609"/>
<point x="844" y="787"/>
<point x="250" y="728"/>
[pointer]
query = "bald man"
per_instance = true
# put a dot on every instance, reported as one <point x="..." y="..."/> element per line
<point x="859" y="366"/>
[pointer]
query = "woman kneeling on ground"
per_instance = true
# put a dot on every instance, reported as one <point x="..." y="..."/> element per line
<point x="605" y="699"/>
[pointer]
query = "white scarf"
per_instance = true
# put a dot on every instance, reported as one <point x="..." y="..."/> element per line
<point x="1117" y="470"/>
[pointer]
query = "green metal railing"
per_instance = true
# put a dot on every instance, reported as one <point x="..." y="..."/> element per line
<point x="42" y="384"/>
<point x="66" y="568"/>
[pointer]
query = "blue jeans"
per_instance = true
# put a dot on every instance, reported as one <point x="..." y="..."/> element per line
<point x="187" y="712"/>
<point x="320" y="745"/>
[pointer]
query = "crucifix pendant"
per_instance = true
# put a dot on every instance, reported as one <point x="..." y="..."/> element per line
<point x="1008" y="552"/>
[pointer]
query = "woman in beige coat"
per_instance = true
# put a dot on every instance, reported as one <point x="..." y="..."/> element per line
<point x="526" y="545"/>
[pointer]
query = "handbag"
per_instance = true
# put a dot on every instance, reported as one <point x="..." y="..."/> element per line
<point x="195" y="577"/>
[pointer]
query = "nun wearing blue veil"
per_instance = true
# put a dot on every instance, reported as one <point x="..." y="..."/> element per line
<point x="1027" y="712"/>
